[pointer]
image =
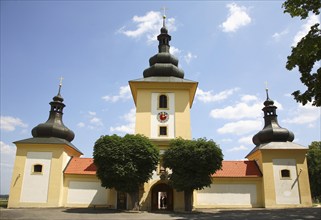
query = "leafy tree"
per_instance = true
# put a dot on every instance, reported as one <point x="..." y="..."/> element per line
<point x="314" y="167"/>
<point x="192" y="163"/>
<point x="307" y="52"/>
<point x="125" y="163"/>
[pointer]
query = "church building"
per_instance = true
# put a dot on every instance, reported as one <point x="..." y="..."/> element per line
<point x="50" y="172"/>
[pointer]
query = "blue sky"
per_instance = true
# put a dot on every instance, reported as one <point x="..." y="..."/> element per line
<point x="230" y="48"/>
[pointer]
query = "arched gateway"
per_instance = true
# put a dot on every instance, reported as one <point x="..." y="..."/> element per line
<point x="162" y="197"/>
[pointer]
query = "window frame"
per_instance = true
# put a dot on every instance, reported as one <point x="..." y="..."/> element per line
<point x="37" y="172"/>
<point x="159" y="102"/>
<point x="159" y="131"/>
<point x="287" y="176"/>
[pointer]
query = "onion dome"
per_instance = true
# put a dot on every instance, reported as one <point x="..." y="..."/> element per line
<point x="163" y="63"/>
<point x="272" y="131"/>
<point x="54" y="127"/>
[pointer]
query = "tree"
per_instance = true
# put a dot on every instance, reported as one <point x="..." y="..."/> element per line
<point x="307" y="52"/>
<point x="125" y="163"/>
<point x="192" y="163"/>
<point x="314" y="167"/>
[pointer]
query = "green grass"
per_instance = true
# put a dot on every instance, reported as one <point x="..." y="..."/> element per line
<point x="3" y="203"/>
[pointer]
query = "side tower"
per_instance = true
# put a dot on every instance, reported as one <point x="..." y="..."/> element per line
<point x="282" y="162"/>
<point x="37" y="179"/>
<point x="163" y="98"/>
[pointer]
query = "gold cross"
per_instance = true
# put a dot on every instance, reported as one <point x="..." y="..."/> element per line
<point x="60" y="83"/>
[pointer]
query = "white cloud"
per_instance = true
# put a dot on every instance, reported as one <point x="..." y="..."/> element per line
<point x="240" y="127"/>
<point x="92" y="121"/>
<point x="305" y="28"/>
<point x="175" y="51"/>
<point x="239" y="111"/>
<point x="237" y="18"/>
<point x="81" y="124"/>
<point x="148" y="25"/>
<point x="208" y="96"/>
<point x="129" y="127"/>
<point x="246" y="140"/>
<point x="8" y="123"/>
<point x="248" y="98"/>
<point x="306" y="114"/>
<point x="189" y="57"/>
<point x="277" y="36"/>
<point x="123" y="94"/>
<point x="237" y="148"/>
<point x="7" y="149"/>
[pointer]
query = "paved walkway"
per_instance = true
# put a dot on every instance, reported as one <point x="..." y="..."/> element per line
<point x="76" y="213"/>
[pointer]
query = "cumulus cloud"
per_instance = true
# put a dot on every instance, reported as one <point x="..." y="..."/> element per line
<point x="237" y="148"/>
<point x="246" y="140"/>
<point x="148" y="25"/>
<point x="8" y="123"/>
<point x="189" y="57"/>
<point x="240" y="127"/>
<point x="305" y="28"/>
<point x="93" y="122"/>
<point x="123" y="94"/>
<point x="278" y="35"/>
<point x="175" y="51"/>
<point x="239" y="111"/>
<point x="129" y="126"/>
<point x="7" y="149"/>
<point x="238" y="16"/>
<point x="306" y="114"/>
<point x="209" y="96"/>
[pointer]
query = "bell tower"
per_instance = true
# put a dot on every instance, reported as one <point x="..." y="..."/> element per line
<point x="163" y="98"/>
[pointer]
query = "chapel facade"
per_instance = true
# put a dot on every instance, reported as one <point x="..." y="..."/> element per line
<point x="50" y="172"/>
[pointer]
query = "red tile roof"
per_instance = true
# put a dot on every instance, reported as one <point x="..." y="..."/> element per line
<point x="238" y="169"/>
<point x="81" y="166"/>
<point x="86" y="166"/>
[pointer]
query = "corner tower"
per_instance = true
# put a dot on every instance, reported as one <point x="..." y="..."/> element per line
<point x="282" y="162"/>
<point x="163" y="97"/>
<point x="37" y="179"/>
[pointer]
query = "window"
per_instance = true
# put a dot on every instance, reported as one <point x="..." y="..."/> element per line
<point x="162" y="131"/>
<point x="37" y="168"/>
<point x="285" y="173"/>
<point x="162" y="101"/>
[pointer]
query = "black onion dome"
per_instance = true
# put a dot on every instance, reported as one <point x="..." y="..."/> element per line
<point x="54" y="127"/>
<point x="272" y="131"/>
<point x="163" y="63"/>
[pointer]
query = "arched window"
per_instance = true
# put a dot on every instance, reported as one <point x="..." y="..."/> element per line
<point x="162" y="101"/>
<point x="285" y="173"/>
<point x="37" y="168"/>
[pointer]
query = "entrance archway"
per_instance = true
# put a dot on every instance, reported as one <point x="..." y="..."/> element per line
<point x="162" y="197"/>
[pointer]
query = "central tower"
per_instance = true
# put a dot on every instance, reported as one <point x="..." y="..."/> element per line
<point x="163" y="97"/>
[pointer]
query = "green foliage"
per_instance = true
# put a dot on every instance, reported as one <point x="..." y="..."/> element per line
<point x="124" y="163"/>
<point x="314" y="167"/>
<point x="192" y="163"/>
<point x="307" y="52"/>
<point x="302" y="8"/>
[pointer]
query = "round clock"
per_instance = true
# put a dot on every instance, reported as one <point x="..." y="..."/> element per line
<point x="162" y="117"/>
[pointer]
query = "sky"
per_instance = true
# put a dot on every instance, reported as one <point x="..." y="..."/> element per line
<point x="232" y="48"/>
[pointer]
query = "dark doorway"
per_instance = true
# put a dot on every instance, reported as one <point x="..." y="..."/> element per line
<point x="121" y="200"/>
<point x="162" y="197"/>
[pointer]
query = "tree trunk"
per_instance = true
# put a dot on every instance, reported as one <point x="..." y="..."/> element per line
<point x="134" y="201"/>
<point x="188" y="200"/>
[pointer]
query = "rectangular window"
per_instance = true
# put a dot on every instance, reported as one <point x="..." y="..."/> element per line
<point x="162" y="131"/>
<point x="285" y="174"/>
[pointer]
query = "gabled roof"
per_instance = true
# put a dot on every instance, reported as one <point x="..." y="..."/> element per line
<point x="238" y="169"/>
<point x="84" y="166"/>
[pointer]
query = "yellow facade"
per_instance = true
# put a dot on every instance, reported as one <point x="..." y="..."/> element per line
<point x="60" y="157"/>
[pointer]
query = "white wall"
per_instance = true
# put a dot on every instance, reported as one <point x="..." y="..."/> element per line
<point x="35" y="186"/>
<point x="90" y="193"/>
<point x="171" y="111"/>
<point x="286" y="190"/>
<point x="227" y="194"/>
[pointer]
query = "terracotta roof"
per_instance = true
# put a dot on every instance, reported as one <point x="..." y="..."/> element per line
<point x="81" y="166"/>
<point x="238" y="169"/>
<point x="86" y="166"/>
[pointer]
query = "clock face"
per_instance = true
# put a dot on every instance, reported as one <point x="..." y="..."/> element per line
<point x="162" y="117"/>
